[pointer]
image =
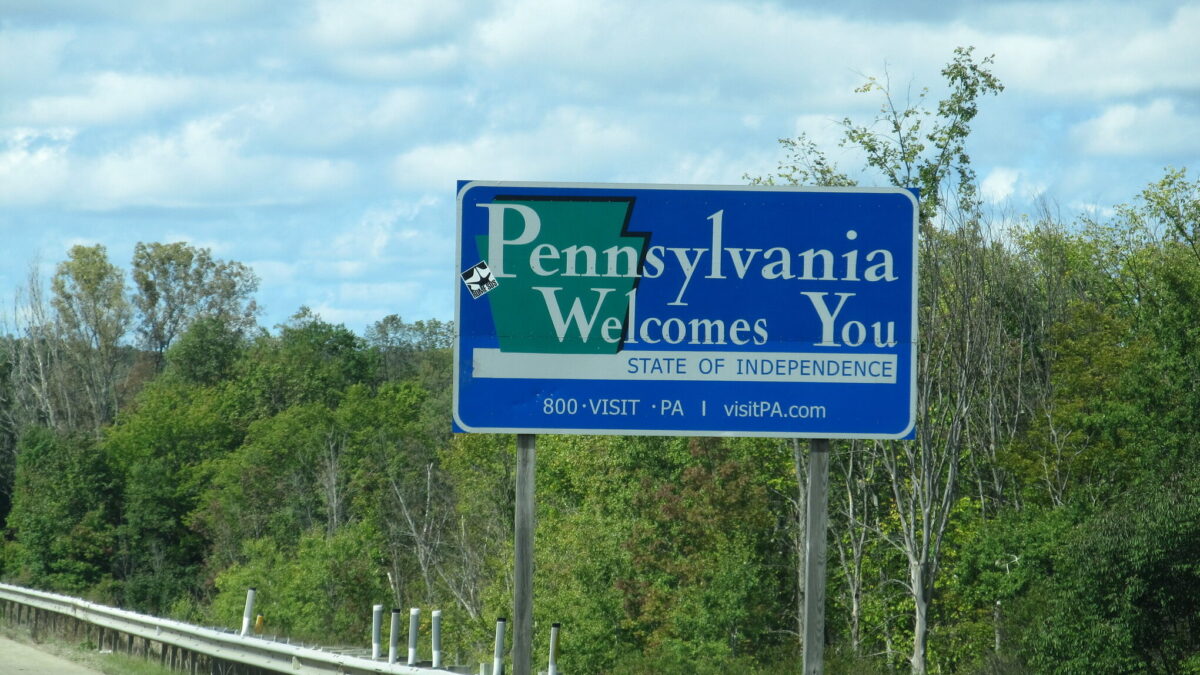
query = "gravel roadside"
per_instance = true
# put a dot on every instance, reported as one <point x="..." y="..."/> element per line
<point x="17" y="657"/>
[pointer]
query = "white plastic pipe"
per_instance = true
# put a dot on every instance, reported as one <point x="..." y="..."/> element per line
<point x="553" y="667"/>
<point x="249" y="612"/>
<point x="376" y="630"/>
<point x="414" y="624"/>
<point x="394" y="639"/>
<point x="436" y="630"/>
<point x="498" y="654"/>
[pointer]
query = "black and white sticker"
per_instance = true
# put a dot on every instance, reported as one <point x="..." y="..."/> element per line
<point x="479" y="279"/>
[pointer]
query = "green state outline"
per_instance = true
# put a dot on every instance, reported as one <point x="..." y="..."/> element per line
<point x="625" y="232"/>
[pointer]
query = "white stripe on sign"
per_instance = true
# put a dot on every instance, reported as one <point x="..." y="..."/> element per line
<point x="712" y="366"/>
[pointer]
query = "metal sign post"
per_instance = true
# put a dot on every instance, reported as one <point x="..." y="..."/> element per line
<point x="814" y="556"/>
<point x="523" y="527"/>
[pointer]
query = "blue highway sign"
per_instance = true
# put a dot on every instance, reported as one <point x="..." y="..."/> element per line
<point x="686" y="310"/>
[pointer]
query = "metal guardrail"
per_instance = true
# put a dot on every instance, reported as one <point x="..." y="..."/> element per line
<point x="230" y="647"/>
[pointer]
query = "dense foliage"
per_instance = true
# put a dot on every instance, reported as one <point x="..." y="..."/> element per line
<point x="162" y="452"/>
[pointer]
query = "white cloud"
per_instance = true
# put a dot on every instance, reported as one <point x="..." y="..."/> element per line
<point x="417" y="64"/>
<point x="337" y="269"/>
<point x="310" y="175"/>
<point x="39" y="53"/>
<point x="358" y="24"/>
<point x="359" y="312"/>
<point x="824" y="130"/>
<point x="152" y="11"/>
<point x="569" y="144"/>
<point x="275" y="272"/>
<point x="34" y="165"/>
<point x="367" y="240"/>
<point x="1129" y="129"/>
<point x="785" y="53"/>
<point x="374" y="238"/>
<point x="109" y="98"/>
<point x="716" y="167"/>
<point x="1099" y="50"/>
<point x="378" y="292"/>
<point x="402" y="107"/>
<point x="391" y="41"/>
<point x="999" y="184"/>
<point x="332" y="119"/>
<point x="72" y="242"/>
<point x="203" y="163"/>
<point x="219" y="248"/>
<point x="722" y="49"/>
<point x="1100" y="211"/>
<point x="199" y="162"/>
<point x="363" y="303"/>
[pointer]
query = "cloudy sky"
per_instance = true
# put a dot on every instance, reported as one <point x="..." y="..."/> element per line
<point x="319" y="141"/>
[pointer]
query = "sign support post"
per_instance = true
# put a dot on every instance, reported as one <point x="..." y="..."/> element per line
<point x="814" y="556"/>
<point x="523" y="555"/>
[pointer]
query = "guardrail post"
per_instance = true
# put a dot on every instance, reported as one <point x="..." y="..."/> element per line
<point x="498" y="653"/>
<point x="553" y="666"/>
<point x="249" y="611"/>
<point x="414" y="624"/>
<point x="376" y="629"/>
<point x="394" y="639"/>
<point x="436" y="630"/>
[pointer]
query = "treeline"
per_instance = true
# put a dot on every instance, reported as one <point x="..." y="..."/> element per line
<point x="163" y="452"/>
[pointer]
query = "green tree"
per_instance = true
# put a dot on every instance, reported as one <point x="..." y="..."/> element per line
<point x="910" y="154"/>
<point x="163" y="446"/>
<point x="700" y="584"/>
<point x="91" y="307"/>
<point x="914" y="146"/>
<point x="310" y="361"/>
<point x="479" y="469"/>
<point x="420" y="351"/>
<point x="1122" y="590"/>
<point x="1166" y="382"/>
<point x="43" y="385"/>
<point x="270" y="486"/>
<point x="64" y="511"/>
<point x="321" y="588"/>
<point x="176" y="284"/>
<point x="207" y="352"/>
<point x="8" y="425"/>
<point x="659" y="554"/>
